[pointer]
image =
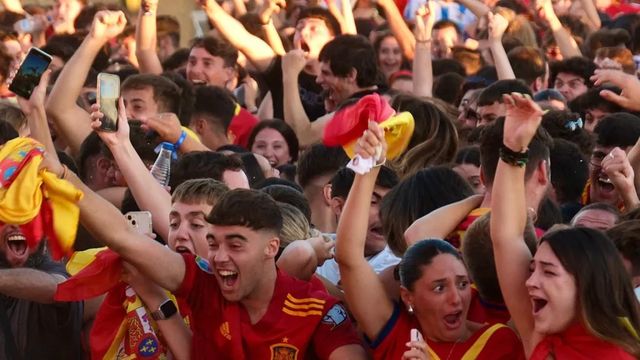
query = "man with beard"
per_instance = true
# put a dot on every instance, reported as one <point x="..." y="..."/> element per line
<point x="32" y="208"/>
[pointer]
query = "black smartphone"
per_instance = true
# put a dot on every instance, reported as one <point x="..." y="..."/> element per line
<point x="108" y="94"/>
<point x="29" y="73"/>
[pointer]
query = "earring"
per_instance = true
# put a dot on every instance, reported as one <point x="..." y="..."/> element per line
<point x="410" y="309"/>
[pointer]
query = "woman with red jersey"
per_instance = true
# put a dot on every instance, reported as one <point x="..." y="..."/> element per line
<point x="573" y="299"/>
<point x="435" y="289"/>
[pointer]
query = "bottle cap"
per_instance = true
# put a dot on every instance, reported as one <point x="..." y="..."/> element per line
<point x="168" y="146"/>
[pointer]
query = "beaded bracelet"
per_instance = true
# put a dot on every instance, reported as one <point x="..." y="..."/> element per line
<point x="514" y="158"/>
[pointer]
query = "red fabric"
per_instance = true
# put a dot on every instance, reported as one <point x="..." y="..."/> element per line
<point x="95" y="279"/>
<point x="349" y="123"/>
<point x="576" y="343"/>
<point x="616" y="10"/>
<point x="223" y="330"/>
<point x="483" y="312"/>
<point x="241" y="127"/>
<point x="107" y="321"/>
<point x="503" y="344"/>
<point x="455" y="238"/>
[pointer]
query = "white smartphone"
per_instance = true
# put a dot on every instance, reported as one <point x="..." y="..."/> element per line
<point x="415" y="335"/>
<point x="140" y="221"/>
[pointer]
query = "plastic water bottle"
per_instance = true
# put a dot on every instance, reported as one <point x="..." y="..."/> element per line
<point x="161" y="169"/>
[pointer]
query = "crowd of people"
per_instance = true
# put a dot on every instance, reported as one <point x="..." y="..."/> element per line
<point x="390" y="179"/>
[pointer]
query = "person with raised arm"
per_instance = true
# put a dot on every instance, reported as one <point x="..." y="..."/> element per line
<point x="242" y="305"/>
<point x="422" y="64"/>
<point x="147" y="38"/>
<point x="71" y="120"/>
<point x="435" y="287"/>
<point x="559" y="299"/>
<point x="497" y="25"/>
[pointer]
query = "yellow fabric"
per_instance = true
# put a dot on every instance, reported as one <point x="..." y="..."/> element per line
<point x="80" y="259"/>
<point x="398" y="130"/>
<point x="477" y="346"/>
<point x="21" y="201"/>
<point x="191" y="134"/>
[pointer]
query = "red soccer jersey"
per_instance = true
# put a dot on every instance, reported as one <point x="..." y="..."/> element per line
<point x="483" y="312"/>
<point x="492" y="342"/>
<point x="302" y="321"/>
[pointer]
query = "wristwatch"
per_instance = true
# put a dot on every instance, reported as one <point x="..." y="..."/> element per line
<point x="166" y="310"/>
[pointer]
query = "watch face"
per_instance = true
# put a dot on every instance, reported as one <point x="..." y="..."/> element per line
<point x="168" y="309"/>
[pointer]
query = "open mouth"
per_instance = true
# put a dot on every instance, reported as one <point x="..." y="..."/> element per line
<point x="376" y="231"/>
<point x="17" y="243"/>
<point x="304" y="46"/>
<point x="538" y="305"/>
<point x="605" y="183"/>
<point x="229" y="278"/>
<point x="198" y="82"/>
<point x="453" y="320"/>
<point x="183" y="250"/>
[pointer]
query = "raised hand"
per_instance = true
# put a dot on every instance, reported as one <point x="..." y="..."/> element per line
<point x="149" y="6"/>
<point x="270" y="7"/>
<point x="617" y="167"/>
<point x="37" y="99"/>
<point x="111" y="138"/>
<point x="545" y="9"/>
<point x="107" y="24"/>
<point x="497" y="26"/>
<point x="425" y="18"/>
<point x="294" y="62"/>
<point x="629" y="98"/>
<point x="167" y="125"/>
<point x="372" y="143"/>
<point x="521" y="122"/>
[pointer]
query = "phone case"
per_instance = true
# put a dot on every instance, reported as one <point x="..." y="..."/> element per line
<point x="140" y="220"/>
<point x="28" y="75"/>
<point x="107" y="98"/>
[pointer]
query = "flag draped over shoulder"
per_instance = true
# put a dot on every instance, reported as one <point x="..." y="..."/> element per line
<point x="122" y="328"/>
<point x="36" y="199"/>
<point x="349" y="123"/>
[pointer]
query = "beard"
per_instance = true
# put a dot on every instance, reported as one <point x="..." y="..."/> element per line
<point x="34" y="261"/>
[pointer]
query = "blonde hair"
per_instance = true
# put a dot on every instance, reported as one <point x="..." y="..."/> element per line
<point x="294" y="225"/>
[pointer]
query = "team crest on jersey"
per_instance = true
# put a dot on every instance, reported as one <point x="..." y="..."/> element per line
<point x="225" y="331"/>
<point x="148" y="346"/>
<point x="335" y="316"/>
<point x="284" y="351"/>
<point x="204" y="265"/>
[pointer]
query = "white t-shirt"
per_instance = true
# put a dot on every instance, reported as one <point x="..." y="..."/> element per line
<point x="380" y="261"/>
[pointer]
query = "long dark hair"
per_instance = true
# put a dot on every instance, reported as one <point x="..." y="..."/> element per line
<point x="604" y="288"/>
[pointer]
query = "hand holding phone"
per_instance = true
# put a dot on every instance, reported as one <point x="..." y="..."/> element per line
<point x="107" y="99"/>
<point x="28" y="75"/>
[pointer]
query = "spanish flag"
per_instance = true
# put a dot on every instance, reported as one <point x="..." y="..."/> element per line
<point x="349" y="123"/>
<point x="122" y="329"/>
<point x="35" y="199"/>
